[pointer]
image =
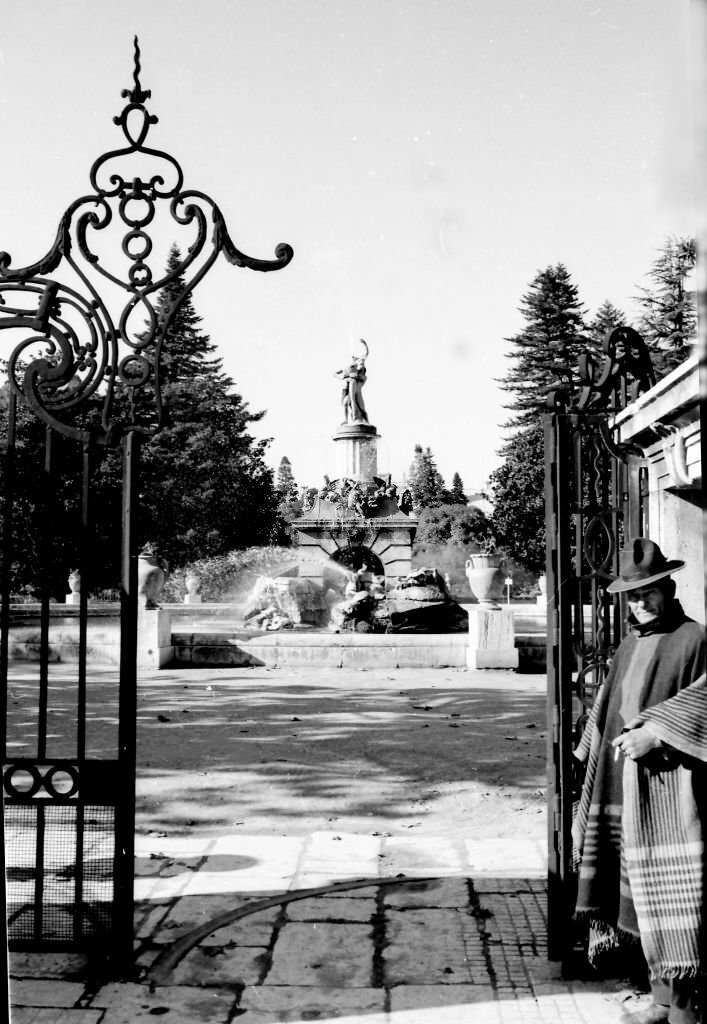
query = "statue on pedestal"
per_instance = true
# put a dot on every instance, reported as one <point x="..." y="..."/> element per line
<point x="353" y="378"/>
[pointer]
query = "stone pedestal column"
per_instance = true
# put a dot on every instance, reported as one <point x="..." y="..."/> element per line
<point x="154" y="638"/>
<point x="154" y="625"/>
<point x="356" y="451"/>
<point x="491" y="639"/>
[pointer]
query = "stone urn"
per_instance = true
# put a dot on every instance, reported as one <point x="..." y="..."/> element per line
<point x="485" y="579"/>
<point x="192" y="582"/>
<point x="150" y="578"/>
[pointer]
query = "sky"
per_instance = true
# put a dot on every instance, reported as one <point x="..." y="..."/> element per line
<point x="425" y="159"/>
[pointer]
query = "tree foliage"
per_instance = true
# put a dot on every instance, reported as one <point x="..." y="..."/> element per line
<point x="545" y="353"/>
<point x="456" y="495"/>
<point x="286" y="484"/>
<point x="668" y="308"/>
<point x="424" y="479"/>
<point x="518" y="489"/>
<point x="447" y="535"/>
<point x="205" y="486"/>
<point x="607" y="318"/>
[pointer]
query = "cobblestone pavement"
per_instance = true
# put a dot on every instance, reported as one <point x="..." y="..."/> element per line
<point x="435" y="946"/>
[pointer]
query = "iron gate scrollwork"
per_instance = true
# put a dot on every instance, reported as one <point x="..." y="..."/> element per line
<point x="87" y="365"/>
<point x="594" y="489"/>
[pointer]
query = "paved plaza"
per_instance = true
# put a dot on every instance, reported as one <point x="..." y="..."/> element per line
<point x="399" y="922"/>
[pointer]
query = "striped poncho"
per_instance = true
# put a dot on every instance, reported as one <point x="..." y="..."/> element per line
<point x="639" y="831"/>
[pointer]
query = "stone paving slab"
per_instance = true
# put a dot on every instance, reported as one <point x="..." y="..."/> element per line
<point x="446" y="892"/>
<point x="322" y="954"/>
<point x="47" y="965"/>
<point x="298" y="1002"/>
<point x="455" y="955"/>
<point x="127" y="1003"/>
<point x="414" y="997"/>
<point x="221" y="967"/>
<point x="254" y="930"/>
<point x="47" y="1015"/>
<point x="323" y="908"/>
<point x="423" y="855"/>
<point x="260" y="864"/>
<point x="510" y="859"/>
<point x="37" y="992"/>
<point x="172" y="921"/>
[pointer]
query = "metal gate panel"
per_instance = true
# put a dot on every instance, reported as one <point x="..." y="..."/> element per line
<point x="594" y="491"/>
<point x="62" y="858"/>
<point x="83" y="370"/>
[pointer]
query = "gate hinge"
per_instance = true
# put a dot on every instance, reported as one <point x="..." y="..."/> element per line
<point x="555" y="725"/>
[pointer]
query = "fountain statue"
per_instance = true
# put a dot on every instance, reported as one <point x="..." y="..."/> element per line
<point x="354" y="377"/>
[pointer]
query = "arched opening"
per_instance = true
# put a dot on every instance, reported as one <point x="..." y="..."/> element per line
<point x="358" y="558"/>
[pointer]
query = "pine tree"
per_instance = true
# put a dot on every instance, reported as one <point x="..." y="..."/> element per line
<point x="425" y="480"/>
<point x="606" y="319"/>
<point x="456" y="494"/>
<point x="545" y="353"/>
<point x="668" y="310"/>
<point x="286" y="485"/>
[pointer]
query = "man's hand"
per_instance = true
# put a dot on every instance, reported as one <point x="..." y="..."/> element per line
<point x="637" y="742"/>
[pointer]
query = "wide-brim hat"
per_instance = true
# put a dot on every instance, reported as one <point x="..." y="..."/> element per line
<point x="641" y="563"/>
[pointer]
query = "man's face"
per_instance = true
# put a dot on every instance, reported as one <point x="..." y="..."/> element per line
<point x="646" y="603"/>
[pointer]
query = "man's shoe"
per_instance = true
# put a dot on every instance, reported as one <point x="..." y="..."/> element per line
<point x="653" y="1014"/>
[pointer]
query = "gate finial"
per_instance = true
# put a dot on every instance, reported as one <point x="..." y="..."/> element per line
<point x="137" y="94"/>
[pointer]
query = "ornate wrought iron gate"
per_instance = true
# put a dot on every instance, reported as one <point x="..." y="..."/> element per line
<point x="85" y="373"/>
<point x="594" y="491"/>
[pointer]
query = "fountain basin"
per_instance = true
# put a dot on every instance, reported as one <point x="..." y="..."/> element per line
<point x="289" y="648"/>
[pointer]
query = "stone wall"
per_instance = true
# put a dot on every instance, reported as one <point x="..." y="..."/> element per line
<point x="665" y="424"/>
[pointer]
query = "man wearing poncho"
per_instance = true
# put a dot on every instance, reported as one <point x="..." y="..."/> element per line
<point x="639" y="832"/>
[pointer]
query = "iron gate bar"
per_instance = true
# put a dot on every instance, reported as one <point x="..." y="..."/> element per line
<point x="5" y="560"/>
<point x="560" y="666"/>
<point x="87" y="449"/>
<point x="46" y="502"/>
<point x="83" y="565"/>
<point x="127" y="726"/>
<point x="72" y="350"/>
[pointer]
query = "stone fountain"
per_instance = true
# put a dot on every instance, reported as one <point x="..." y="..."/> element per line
<point x="358" y="520"/>
<point x="355" y="536"/>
